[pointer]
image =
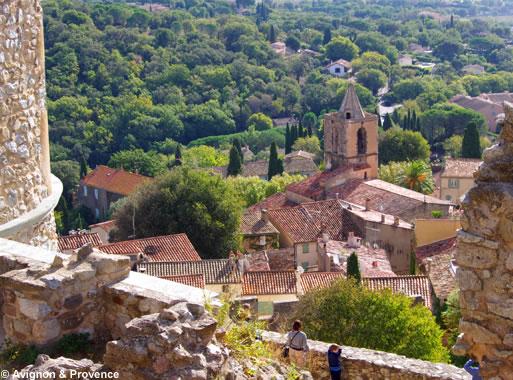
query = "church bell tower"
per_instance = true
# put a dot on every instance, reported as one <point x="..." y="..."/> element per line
<point x="351" y="139"/>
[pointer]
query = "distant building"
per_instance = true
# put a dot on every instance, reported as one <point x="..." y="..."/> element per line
<point x="104" y="186"/>
<point x="339" y="68"/>
<point x="488" y="105"/>
<point x="473" y="69"/>
<point x="279" y="48"/>
<point x="416" y="287"/>
<point x="257" y="231"/>
<point x="103" y="230"/>
<point x="458" y="177"/>
<point x="71" y="242"/>
<point x="405" y="60"/>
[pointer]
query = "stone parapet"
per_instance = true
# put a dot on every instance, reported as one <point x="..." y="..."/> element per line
<point x="485" y="260"/>
<point x="361" y="363"/>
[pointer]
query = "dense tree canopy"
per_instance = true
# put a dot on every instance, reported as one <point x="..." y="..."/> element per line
<point x="396" y="144"/>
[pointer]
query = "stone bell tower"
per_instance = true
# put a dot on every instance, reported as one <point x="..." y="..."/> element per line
<point x="28" y="191"/>
<point x="485" y="260"/>
<point x="351" y="138"/>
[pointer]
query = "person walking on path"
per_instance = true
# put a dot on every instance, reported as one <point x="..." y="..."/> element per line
<point x="298" y="344"/>
<point x="472" y="367"/>
<point x="334" y="353"/>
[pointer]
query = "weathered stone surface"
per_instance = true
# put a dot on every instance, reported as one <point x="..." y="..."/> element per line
<point x="33" y="309"/>
<point x="504" y="309"/>
<point x="476" y="256"/>
<point x="46" y="331"/>
<point x="60" y="368"/>
<point x="73" y="302"/>
<point x="478" y="333"/>
<point x="468" y="280"/>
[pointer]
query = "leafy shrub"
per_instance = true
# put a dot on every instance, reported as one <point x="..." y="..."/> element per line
<point x="73" y="343"/>
<point x="437" y="214"/>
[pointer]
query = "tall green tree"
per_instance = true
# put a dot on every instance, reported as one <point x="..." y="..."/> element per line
<point x="350" y="314"/>
<point x="353" y="268"/>
<point x="272" y="34"/>
<point x="397" y="145"/>
<point x="238" y="146"/>
<point x="310" y="122"/>
<point x="178" y="155"/>
<point x="275" y="163"/>
<point x="235" y="163"/>
<point x="327" y="36"/>
<point x="288" y="140"/>
<point x="387" y="122"/>
<point x="184" y="200"/>
<point x="471" y="146"/>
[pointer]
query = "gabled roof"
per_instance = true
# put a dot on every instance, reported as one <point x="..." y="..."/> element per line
<point x="341" y="62"/>
<point x="408" y="285"/>
<point x="436" y="248"/>
<point x="196" y="280"/>
<point x="115" y="181"/>
<point x="351" y="104"/>
<point x="307" y="222"/>
<point x="71" y="242"/>
<point x="220" y="271"/>
<point x="314" y="186"/>
<point x="160" y="248"/>
<point x="262" y="283"/>
<point x="315" y="280"/>
<point x="253" y="224"/>
<point x="106" y="226"/>
<point x="278" y="200"/>
<point x="461" y="167"/>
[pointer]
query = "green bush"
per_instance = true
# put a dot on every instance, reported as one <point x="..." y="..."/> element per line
<point x="73" y="343"/>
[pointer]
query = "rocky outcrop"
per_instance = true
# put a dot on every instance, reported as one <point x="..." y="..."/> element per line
<point x="60" y="368"/>
<point x="176" y="343"/>
<point x="485" y="260"/>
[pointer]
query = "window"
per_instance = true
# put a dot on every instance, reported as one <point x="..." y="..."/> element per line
<point x="348" y="115"/>
<point x="362" y="141"/>
<point x="96" y="194"/>
<point x="85" y="190"/>
<point x="97" y="213"/>
<point x="337" y="70"/>
<point x="306" y="248"/>
<point x="454" y="183"/>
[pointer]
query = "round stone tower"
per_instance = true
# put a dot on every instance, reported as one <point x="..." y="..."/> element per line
<point x="28" y="191"/>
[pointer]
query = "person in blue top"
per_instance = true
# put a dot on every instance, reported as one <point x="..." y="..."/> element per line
<point x="472" y="367"/>
<point x="334" y="353"/>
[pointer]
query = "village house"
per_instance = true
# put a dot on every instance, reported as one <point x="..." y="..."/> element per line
<point x="417" y="287"/>
<point x="76" y="240"/>
<point x="405" y="60"/>
<point x="436" y="261"/>
<point x="104" y="186"/>
<point x="279" y="47"/>
<point x="339" y="68"/>
<point x="257" y="231"/>
<point x="103" y="230"/>
<point x="169" y="248"/>
<point x="457" y="178"/>
<point x="473" y="69"/>
<point x="488" y="105"/>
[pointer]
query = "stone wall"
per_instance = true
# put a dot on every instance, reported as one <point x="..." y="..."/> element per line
<point x="485" y="260"/>
<point x="25" y="179"/>
<point x="363" y="364"/>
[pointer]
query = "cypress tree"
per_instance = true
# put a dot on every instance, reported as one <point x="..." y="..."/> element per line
<point x="272" y="34"/>
<point x="414" y="121"/>
<point x="395" y="117"/>
<point x="178" y="155"/>
<point x="288" y="145"/>
<point x="83" y="167"/>
<point x="275" y="164"/>
<point x="413" y="263"/>
<point x="387" y="123"/>
<point x="353" y="268"/>
<point x="409" y="120"/>
<point x="417" y="127"/>
<point x="238" y="146"/>
<point x="235" y="164"/>
<point x="293" y="135"/>
<point x="404" y="124"/>
<point x="327" y="36"/>
<point x="471" y="146"/>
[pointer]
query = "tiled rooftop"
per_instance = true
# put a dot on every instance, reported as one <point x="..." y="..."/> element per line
<point x="106" y="226"/>
<point x="278" y="200"/>
<point x="262" y="283"/>
<point x="220" y="271"/>
<point x="253" y="224"/>
<point x="314" y="280"/>
<point x="408" y="285"/>
<point x="460" y="167"/>
<point x="117" y="181"/>
<point x="196" y="280"/>
<point x="71" y="242"/>
<point x="160" y="248"/>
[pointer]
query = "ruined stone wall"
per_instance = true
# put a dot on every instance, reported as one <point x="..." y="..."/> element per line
<point x="485" y="260"/>
<point x="363" y="364"/>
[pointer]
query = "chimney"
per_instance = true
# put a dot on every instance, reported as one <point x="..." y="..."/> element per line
<point x="374" y="264"/>
<point x="383" y="218"/>
<point x="264" y="215"/>
<point x="336" y="196"/>
<point x="367" y="204"/>
<point x="396" y="220"/>
<point x="429" y="261"/>
<point x="353" y="241"/>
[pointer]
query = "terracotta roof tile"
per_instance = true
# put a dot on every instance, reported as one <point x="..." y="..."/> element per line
<point x="408" y="285"/>
<point x="436" y="248"/>
<point x="196" y="280"/>
<point x="313" y="187"/>
<point x="70" y="242"/>
<point x="253" y="224"/>
<point x="278" y="200"/>
<point x="220" y="271"/>
<point x="117" y="181"/>
<point x="314" y="280"/>
<point x="261" y="283"/>
<point x="460" y="167"/>
<point x="160" y="248"/>
<point x="106" y="226"/>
